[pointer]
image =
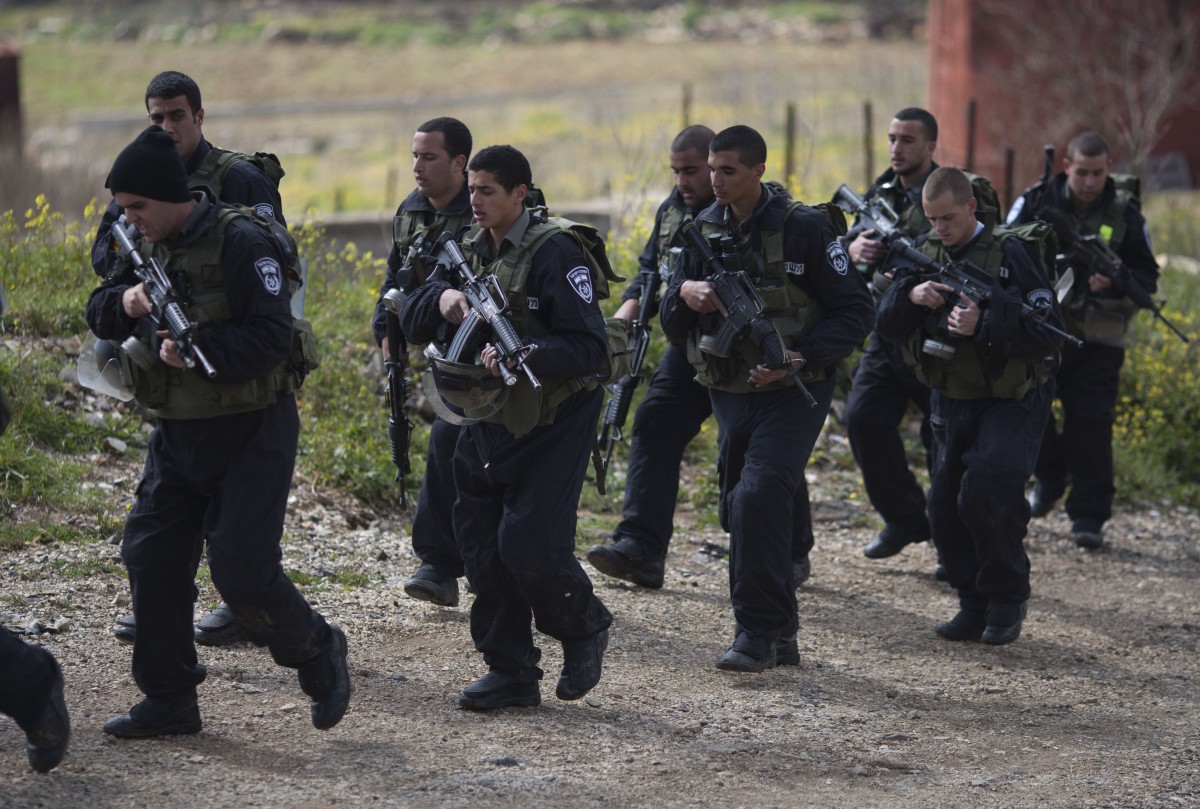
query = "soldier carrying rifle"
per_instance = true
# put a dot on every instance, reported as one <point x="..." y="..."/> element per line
<point x="1084" y="199"/>
<point x="883" y="384"/>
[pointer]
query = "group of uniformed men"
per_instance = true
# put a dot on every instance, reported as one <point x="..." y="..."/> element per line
<point x="508" y="453"/>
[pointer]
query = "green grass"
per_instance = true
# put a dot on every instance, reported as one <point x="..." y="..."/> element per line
<point x="87" y="569"/>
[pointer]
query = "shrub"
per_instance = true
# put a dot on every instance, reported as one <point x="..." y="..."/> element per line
<point x="1156" y="437"/>
<point x="45" y="267"/>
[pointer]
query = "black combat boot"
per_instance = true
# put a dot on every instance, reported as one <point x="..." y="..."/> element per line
<point x="627" y="559"/>
<point x="158" y="716"/>
<point x="326" y="680"/>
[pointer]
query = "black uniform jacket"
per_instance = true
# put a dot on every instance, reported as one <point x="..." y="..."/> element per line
<point x="817" y="263"/>
<point x="255" y="339"/>
<point x="575" y="345"/>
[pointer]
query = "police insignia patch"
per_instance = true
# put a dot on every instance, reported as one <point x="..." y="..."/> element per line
<point x="268" y="273"/>
<point x="264" y="210"/>
<point x="794" y="267"/>
<point x="1040" y="298"/>
<point x="580" y="279"/>
<point x="838" y="258"/>
<point x="532" y="303"/>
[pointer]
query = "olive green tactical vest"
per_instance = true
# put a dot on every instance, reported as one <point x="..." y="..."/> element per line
<point x="174" y="393"/>
<point x="216" y="165"/>
<point x="790" y="309"/>
<point x="964" y="376"/>
<point x="1102" y="320"/>
<point x="913" y="222"/>
<point x="526" y="407"/>
<point x="672" y="220"/>
<point x="407" y="226"/>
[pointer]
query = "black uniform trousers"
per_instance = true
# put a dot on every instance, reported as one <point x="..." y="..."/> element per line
<point x="883" y="387"/>
<point x="26" y="673"/>
<point x="1087" y="384"/>
<point x="668" y="418"/>
<point x="227" y="479"/>
<point x="515" y="518"/>
<point x="433" y="523"/>
<point x="985" y="451"/>
<point x="765" y="440"/>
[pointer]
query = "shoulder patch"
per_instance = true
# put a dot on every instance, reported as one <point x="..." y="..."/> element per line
<point x="580" y="279"/>
<point x="265" y="210"/>
<point x="268" y="273"/>
<point x="838" y="259"/>
<point x="1040" y="298"/>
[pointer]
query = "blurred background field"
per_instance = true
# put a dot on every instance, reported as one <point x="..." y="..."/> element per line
<point x="595" y="115"/>
<point x="592" y="97"/>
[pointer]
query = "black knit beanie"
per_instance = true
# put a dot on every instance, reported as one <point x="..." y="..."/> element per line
<point x="150" y="167"/>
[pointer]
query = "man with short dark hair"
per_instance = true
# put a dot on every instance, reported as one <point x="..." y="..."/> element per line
<point x="220" y="459"/>
<point x="173" y="102"/>
<point x="883" y="384"/>
<point x="821" y="310"/>
<point x="520" y="461"/>
<point x="440" y="203"/>
<point x="675" y="405"/>
<point x="1088" y="381"/>
<point x="991" y="397"/>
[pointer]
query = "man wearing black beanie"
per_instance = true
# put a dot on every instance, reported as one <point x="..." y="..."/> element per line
<point x="220" y="460"/>
<point x="150" y="167"/>
<point x="173" y="102"/>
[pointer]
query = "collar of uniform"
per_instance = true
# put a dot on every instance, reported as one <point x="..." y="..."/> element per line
<point x="723" y="215"/>
<point x="197" y="222"/>
<point x="901" y="198"/>
<point x="676" y="199"/>
<point x="201" y="151"/>
<point x="1062" y="197"/>
<point x="958" y="252"/>
<point x="770" y="212"/>
<point x="416" y="201"/>
<point x="482" y="244"/>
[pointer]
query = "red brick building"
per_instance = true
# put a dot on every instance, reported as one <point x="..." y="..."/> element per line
<point x="1037" y="72"/>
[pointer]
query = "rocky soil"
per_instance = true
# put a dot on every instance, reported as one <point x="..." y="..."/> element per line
<point x="1096" y="705"/>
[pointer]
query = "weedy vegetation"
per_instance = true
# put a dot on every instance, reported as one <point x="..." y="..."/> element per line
<point x="595" y="114"/>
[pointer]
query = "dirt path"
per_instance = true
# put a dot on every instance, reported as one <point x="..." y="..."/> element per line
<point x="1096" y="705"/>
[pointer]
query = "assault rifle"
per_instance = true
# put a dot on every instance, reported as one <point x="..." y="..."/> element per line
<point x="882" y="216"/>
<point x="1098" y="257"/>
<point x="166" y="309"/>
<point x="741" y="300"/>
<point x="616" y="411"/>
<point x="969" y="280"/>
<point x="400" y="427"/>
<point x="488" y="307"/>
